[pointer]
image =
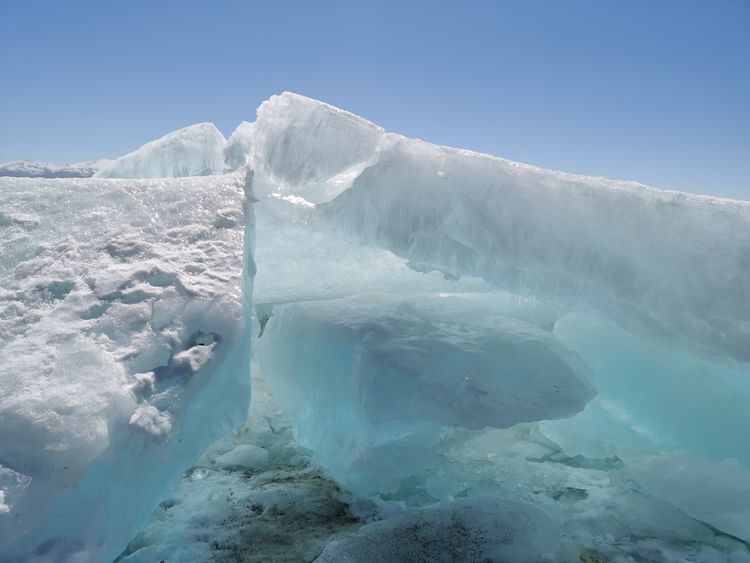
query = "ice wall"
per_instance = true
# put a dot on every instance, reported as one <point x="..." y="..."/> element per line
<point x="649" y="288"/>
<point x="197" y="150"/>
<point x="662" y="263"/>
<point x="125" y="351"/>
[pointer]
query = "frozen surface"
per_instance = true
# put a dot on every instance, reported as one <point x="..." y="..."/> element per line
<point x="122" y="333"/>
<point x="197" y="150"/>
<point x="35" y="169"/>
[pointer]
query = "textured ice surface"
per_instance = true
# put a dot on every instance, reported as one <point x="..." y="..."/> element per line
<point x="124" y="355"/>
<point x="197" y="150"/>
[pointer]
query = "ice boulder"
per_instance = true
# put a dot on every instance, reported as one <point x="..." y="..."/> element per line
<point x="122" y="332"/>
<point x="310" y="149"/>
<point x="238" y="146"/>
<point x="374" y="382"/>
<point x="197" y="150"/>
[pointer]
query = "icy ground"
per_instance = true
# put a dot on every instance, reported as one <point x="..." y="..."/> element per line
<point x="454" y="357"/>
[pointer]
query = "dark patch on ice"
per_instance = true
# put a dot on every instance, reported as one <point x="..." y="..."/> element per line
<point x="570" y="494"/>
<point x="263" y="312"/>
<point x="56" y="290"/>
<point x="122" y="250"/>
<point x="95" y="311"/>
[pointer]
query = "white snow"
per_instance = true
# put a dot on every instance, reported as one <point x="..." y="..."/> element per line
<point x="151" y="420"/>
<point x="197" y="150"/>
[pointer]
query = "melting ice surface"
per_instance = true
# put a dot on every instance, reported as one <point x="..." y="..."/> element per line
<point x="458" y="357"/>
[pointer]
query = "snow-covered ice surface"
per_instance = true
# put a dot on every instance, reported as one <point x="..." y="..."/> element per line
<point x="457" y="358"/>
<point x="124" y="355"/>
<point x="35" y="169"/>
<point x="197" y="150"/>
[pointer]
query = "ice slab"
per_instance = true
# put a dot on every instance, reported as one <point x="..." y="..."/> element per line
<point x="374" y="382"/>
<point x="123" y="336"/>
<point x="197" y="150"/>
<point x="666" y="264"/>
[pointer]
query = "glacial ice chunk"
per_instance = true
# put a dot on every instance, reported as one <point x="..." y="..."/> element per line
<point x="197" y="150"/>
<point x="373" y="382"/>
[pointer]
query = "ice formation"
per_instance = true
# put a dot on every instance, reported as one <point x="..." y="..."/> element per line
<point x="197" y="150"/>
<point x="649" y="289"/>
<point x="618" y="248"/>
<point x="468" y="358"/>
<point x="124" y="352"/>
<point x="238" y="146"/>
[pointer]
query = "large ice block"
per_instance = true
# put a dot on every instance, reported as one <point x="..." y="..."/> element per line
<point x="374" y="382"/>
<point x="197" y="150"/>
<point x="665" y="264"/>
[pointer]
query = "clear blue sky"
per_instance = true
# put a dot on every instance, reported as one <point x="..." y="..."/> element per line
<point x="654" y="91"/>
